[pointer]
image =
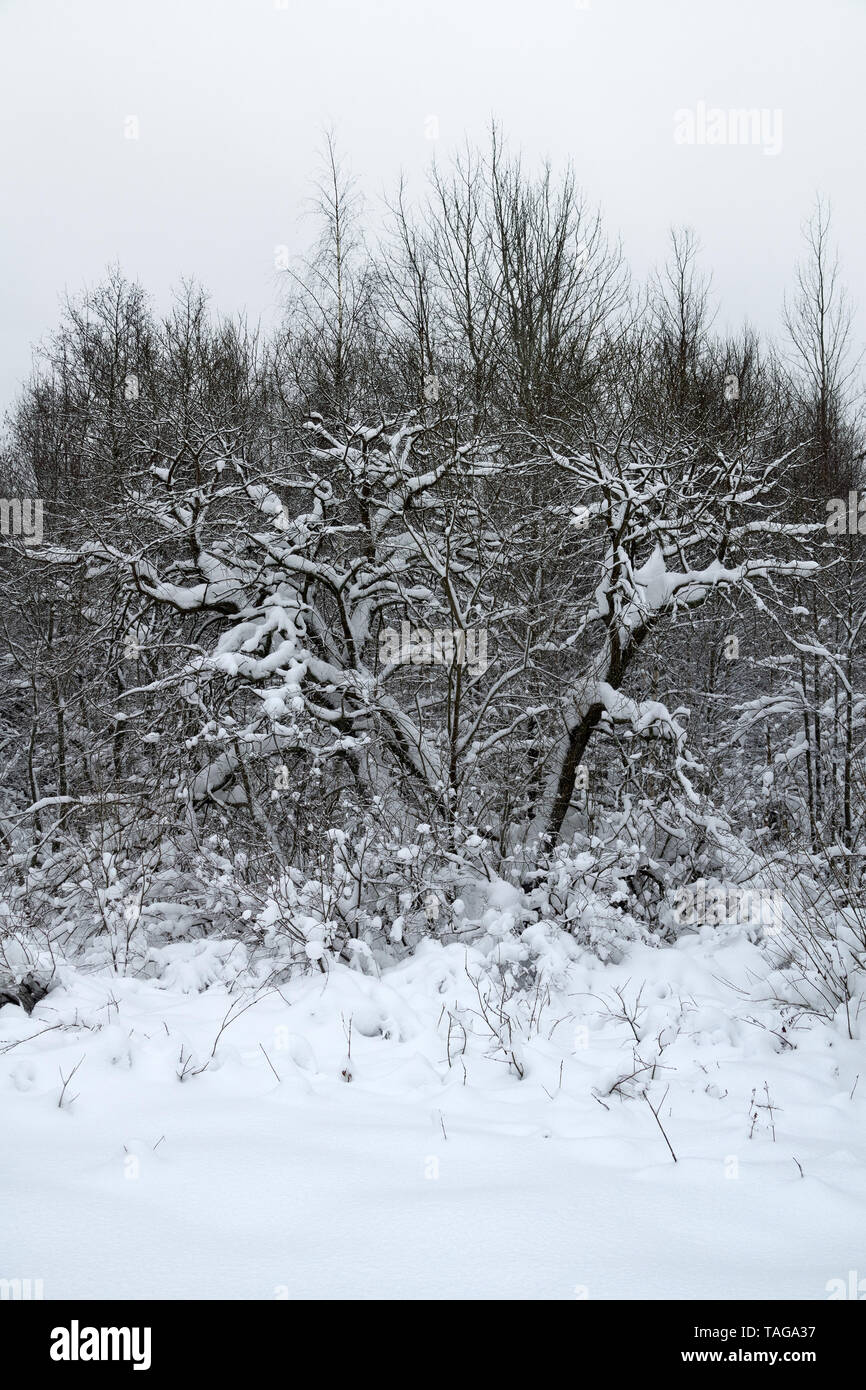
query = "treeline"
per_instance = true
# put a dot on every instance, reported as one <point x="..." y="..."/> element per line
<point x="480" y="424"/>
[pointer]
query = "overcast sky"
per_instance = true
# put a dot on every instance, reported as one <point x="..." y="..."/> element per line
<point x="231" y="96"/>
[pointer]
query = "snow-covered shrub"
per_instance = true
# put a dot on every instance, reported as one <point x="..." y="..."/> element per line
<point x="368" y="896"/>
<point x="818" y="956"/>
<point x="586" y="893"/>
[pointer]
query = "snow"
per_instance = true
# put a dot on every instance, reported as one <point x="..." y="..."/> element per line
<point x="435" y="1171"/>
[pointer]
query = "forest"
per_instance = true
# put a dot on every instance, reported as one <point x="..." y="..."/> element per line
<point x="219" y="704"/>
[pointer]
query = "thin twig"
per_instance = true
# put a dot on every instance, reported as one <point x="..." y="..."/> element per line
<point x="271" y="1065"/>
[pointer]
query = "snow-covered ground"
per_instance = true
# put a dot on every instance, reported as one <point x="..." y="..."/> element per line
<point x="435" y="1170"/>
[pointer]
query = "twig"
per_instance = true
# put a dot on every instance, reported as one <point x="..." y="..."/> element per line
<point x="271" y="1065"/>
<point x="66" y="1080"/>
<point x="658" y="1121"/>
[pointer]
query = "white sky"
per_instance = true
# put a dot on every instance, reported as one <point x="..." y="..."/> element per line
<point x="232" y="95"/>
